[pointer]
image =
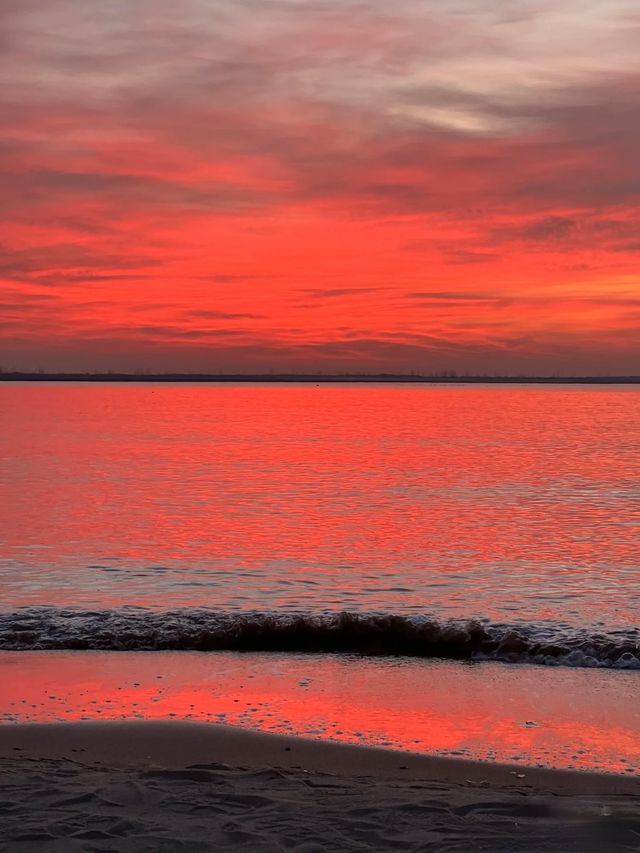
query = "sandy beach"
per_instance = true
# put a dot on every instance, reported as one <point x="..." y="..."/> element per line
<point x="179" y="786"/>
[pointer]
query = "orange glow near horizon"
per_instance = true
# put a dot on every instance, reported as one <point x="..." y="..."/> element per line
<point x="318" y="187"/>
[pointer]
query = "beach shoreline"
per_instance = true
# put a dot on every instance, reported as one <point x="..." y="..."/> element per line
<point x="569" y="718"/>
<point x="149" y="785"/>
<point x="180" y="744"/>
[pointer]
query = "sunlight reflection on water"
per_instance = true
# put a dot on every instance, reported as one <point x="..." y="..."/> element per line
<point x="458" y="501"/>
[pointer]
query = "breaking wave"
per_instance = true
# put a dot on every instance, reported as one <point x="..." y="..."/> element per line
<point x="137" y="629"/>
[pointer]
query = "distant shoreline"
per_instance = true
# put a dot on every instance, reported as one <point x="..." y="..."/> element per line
<point x="318" y="379"/>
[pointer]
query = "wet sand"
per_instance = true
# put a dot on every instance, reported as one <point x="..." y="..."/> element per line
<point x="180" y="786"/>
<point x="559" y="717"/>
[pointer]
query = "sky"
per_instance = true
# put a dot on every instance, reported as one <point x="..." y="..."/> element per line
<point x="242" y="185"/>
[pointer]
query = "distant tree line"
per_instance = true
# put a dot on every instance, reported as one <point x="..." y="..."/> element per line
<point x="416" y="376"/>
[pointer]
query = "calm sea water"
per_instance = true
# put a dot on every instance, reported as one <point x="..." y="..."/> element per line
<point x="169" y="515"/>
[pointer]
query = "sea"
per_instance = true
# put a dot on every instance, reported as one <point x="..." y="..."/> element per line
<point x="460" y="536"/>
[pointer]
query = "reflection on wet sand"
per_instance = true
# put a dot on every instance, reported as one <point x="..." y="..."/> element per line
<point x="585" y="719"/>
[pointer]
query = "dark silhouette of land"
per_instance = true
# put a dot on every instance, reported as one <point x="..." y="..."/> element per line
<point x="447" y="377"/>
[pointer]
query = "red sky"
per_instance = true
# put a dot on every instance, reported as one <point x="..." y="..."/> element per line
<point x="320" y="184"/>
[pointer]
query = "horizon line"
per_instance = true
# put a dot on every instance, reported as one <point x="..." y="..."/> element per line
<point x="442" y="377"/>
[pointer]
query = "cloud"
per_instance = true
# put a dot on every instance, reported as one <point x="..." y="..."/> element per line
<point x="159" y="350"/>
<point x="337" y="292"/>
<point x="206" y="314"/>
<point x="452" y="296"/>
<point x="618" y="231"/>
<point x="445" y="170"/>
<point x="144" y="192"/>
<point x="72" y="264"/>
<point x="322" y="113"/>
<point x="234" y="278"/>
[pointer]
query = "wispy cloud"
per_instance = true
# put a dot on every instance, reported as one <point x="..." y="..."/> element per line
<point x="437" y="169"/>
